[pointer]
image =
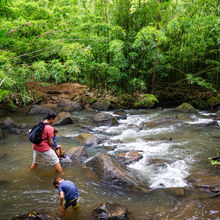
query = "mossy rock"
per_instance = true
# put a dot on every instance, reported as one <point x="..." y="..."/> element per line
<point x="186" y="107"/>
<point x="213" y="101"/>
<point x="146" y="101"/>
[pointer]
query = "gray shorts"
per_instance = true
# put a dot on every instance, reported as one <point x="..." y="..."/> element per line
<point x="49" y="156"/>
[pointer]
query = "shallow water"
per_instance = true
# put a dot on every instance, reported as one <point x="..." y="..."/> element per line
<point x="188" y="151"/>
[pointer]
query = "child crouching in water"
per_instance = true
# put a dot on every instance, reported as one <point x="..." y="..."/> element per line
<point x="58" y="148"/>
<point x="68" y="194"/>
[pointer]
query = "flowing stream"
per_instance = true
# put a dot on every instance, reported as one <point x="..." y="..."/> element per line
<point x="174" y="139"/>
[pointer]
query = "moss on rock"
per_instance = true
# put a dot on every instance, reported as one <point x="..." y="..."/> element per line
<point x="146" y="101"/>
<point x="213" y="101"/>
<point x="186" y="107"/>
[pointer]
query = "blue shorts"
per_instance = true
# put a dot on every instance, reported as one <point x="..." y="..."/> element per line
<point x="74" y="203"/>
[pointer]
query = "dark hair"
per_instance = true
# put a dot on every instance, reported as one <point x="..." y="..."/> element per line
<point x="51" y="115"/>
<point x="56" y="181"/>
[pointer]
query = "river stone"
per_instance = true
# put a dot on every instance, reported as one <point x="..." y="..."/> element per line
<point x="15" y="130"/>
<point x="176" y="191"/>
<point x="217" y="113"/>
<point x="186" y="107"/>
<point x="7" y="123"/>
<point x="158" y="162"/>
<point x="121" y="114"/>
<point x="63" y="118"/>
<point x="129" y="157"/>
<point x="104" y="119"/>
<point x="213" y="123"/>
<point x="33" y="215"/>
<point x="3" y="156"/>
<point x="205" y="181"/>
<point x="110" y="211"/>
<point x="101" y="106"/>
<point x="113" y="173"/>
<point x="1" y="134"/>
<point x="39" y="109"/>
<point x="77" y="154"/>
<point x="88" y="139"/>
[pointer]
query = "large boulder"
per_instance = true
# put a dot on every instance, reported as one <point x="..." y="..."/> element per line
<point x="205" y="181"/>
<point x="101" y="106"/>
<point x="145" y="101"/>
<point x="186" y="107"/>
<point x="63" y="118"/>
<point x="129" y="157"/>
<point x="69" y="106"/>
<point x="39" y="109"/>
<point x="88" y="139"/>
<point x="104" y="119"/>
<point x="77" y="154"/>
<point x="110" y="211"/>
<point x="111" y="172"/>
<point x="7" y="123"/>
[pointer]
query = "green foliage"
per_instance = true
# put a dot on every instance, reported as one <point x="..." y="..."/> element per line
<point x="121" y="45"/>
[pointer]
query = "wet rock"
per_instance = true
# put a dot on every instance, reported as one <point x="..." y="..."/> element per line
<point x="63" y="118"/>
<point x="109" y="147"/>
<point x="205" y="181"/>
<point x="15" y="131"/>
<point x="88" y="139"/>
<point x="121" y="114"/>
<point x="33" y="215"/>
<point x="158" y="162"/>
<point x="22" y="126"/>
<point x="176" y="191"/>
<point x="1" y="134"/>
<point x="104" y="119"/>
<point x="213" y="123"/>
<point x="7" y="123"/>
<point x="77" y="154"/>
<point x="150" y="124"/>
<point x="3" y="156"/>
<point x="110" y="211"/>
<point x="69" y="106"/>
<point x="39" y="109"/>
<point x="186" y="107"/>
<point x="111" y="172"/>
<point x="167" y="139"/>
<point x="169" y="120"/>
<point x="129" y="157"/>
<point x="134" y="127"/>
<point x="218" y="114"/>
<point x="101" y="106"/>
<point x="50" y="106"/>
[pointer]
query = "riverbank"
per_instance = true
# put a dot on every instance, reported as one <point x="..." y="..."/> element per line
<point x="77" y="96"/>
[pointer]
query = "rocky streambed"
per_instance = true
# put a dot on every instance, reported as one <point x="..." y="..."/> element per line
<point x="127" y="164"/>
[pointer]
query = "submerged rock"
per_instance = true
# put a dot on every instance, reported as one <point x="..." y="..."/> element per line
<point x="39" y="109"/>
<point x="7" y="123"/>
<point x="121" y="114"/>
<point x="206" y="182"/>
<point x="77" y="154"/>
<point x="88" y="139"/>
<point x="33" y="215"/>
<point x="110" y="211"/>
<point x="3" y="156"/>
<point x="63" y="118"/>
<point x="186" y="107"/>
<point x="111" y="172"/>
<point x="129" y="157"/>
<point x="104" y="119"/>
<point x="1" y="134"/>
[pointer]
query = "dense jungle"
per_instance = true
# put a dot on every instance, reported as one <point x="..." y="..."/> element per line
<point x="134" y="88"/>
<point x="166" y="48"/>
